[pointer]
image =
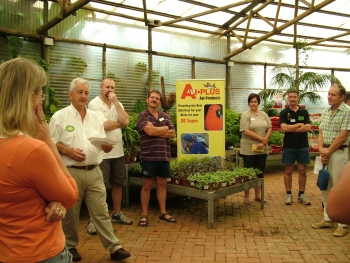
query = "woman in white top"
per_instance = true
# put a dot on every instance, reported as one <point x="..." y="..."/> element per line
<point x="256" y="129"/>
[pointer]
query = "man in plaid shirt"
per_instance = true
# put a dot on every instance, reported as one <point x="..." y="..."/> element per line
<point x="333" y="146"/>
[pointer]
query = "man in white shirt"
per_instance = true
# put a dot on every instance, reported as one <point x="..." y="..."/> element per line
<point x="70" y="129"/>
<point x="114" y="118"/>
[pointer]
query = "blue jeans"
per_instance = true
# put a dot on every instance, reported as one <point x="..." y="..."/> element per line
<point x="64" y="257"/>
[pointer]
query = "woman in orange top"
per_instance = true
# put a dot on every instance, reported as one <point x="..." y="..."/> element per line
<point x="35" y="186"/>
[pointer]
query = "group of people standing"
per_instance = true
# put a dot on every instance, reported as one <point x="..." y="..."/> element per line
<point x="333" y="143"/>
<point x="48" y="170"/>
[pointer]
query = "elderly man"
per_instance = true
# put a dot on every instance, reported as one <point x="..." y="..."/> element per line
<point x="333" y="146"/>
<point x="70" y="128"/>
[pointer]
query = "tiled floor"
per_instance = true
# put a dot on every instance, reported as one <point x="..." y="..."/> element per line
<point x="242" y="233"/>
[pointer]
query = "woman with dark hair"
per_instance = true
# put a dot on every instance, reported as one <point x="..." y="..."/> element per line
<point x="256" y="129"/>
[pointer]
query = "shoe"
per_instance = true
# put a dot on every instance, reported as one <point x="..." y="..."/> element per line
<point x="302" y="199"/>
<point x="248" y="202"/>
<point x="121" y="219"/>
<point x="289" y="199"/>
<point x="90" y="228"/>
<point x="75" y="254"/>
<point x="120" y="254"/>
<point x="323" y="224"/>
<point x="340" y="231"/>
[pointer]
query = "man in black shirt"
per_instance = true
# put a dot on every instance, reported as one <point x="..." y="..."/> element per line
<point x="295" y="123"/>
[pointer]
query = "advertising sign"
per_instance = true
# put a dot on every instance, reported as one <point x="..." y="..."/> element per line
<point x="200" y="107"/>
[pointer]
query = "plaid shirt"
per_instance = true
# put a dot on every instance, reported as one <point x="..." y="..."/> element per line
<point x="332" y="125"/>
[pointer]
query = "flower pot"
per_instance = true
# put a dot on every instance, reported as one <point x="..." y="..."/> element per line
<point x="206" y="187"/>
<point x="133" y="158"/>
<point x="176" y="181"/>
<point x="233" y="181"/>
<point x="127" y="158"/>
<point x="184" y="181"/>
<point x="223" y="184"/>
<point x="241" y="179"/>
<point x="192" y="183"/>
<point x="216" y="186"/>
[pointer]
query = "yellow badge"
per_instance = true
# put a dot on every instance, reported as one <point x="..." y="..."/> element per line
<point x="69" y="128"/>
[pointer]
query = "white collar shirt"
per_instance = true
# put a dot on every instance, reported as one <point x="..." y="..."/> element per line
<point x="109" y="113"/>
<point x="67" y="127"/>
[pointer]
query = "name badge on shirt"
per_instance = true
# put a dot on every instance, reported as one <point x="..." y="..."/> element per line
<point x="161" y="119"/>
<point x="252" y="119"/>
<point x="292" y="120"/>
<point x="300" y="118"/>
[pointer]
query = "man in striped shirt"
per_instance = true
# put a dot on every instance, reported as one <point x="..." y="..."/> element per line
<point x="155" y="129"/>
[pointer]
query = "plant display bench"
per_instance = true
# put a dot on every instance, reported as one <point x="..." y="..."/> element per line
<point x="270" y="157"/>
<point x="209" y="195"/>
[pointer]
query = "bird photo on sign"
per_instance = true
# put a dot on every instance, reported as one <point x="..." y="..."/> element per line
<point x="194" y="143"/>
<point x="213" y="120"/>
<point x="209" y="86"/>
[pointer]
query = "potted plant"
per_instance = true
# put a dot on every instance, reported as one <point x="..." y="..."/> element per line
<point x="135" y="150"/>
<point x="276" y="141"/>
<point x="288" y="76"/>
<point x="131" y="142"/>
<point x="232" y="132"/>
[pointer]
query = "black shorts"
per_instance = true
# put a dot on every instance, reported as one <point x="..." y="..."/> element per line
<point x="151" y="169"/>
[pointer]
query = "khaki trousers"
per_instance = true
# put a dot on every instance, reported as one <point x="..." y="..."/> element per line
<point x="336" y="163"/>
<point x="92" y="190"/>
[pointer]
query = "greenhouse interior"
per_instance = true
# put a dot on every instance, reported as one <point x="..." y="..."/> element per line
<point x="145" y="45"/>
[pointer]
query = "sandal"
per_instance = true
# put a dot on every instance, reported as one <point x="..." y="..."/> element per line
<point x="248" y="202"/>
<point x="167" y="217"/>
<point x="143" y="221"/>
<point x="259" y="200"/>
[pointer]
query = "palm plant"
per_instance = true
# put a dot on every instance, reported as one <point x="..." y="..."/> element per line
<point x="289" y="76"/>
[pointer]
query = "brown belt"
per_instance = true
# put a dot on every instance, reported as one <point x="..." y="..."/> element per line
<point x="87" y="167"/>
<point x="340" y="148"/>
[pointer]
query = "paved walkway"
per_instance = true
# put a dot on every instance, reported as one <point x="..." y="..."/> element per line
<point x="242" y="233"/>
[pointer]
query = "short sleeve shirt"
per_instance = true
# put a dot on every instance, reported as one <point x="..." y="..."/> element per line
<point x="258" y="124"/>
<point x="295" y="140"/>
<point x="67" y="127"/>
<point x="331" y="125"/>
<point x="109" y="113"/>
<point x="154" y="148"/>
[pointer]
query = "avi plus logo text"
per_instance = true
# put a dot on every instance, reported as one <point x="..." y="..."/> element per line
<point x="204" y="92"/>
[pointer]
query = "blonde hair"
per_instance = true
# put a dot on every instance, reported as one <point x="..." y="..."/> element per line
<point x="19" y="79"/>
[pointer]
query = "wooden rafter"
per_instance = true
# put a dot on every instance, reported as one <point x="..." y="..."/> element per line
<point x="243" y="12"/>
<point x="277" y="15"/>
<point x="279" y="29"/>
<point x="247" y="28"/>
<point x="234" y="30"/>
<point x="296" y="24"/>
<point x="68" y="11"/>
<point x="305" y="3"/>
<point x="245" y="18"/>
<point x="63" y="8"/>
<point x="329" y="38"/>
<point x="237" y="36"/>
<point x="145" y="12"/>
<point x="205" y="12"/>
<point x="266" y="20"/>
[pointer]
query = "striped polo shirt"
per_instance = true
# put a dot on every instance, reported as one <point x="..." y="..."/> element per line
<point x="154" y="148"/>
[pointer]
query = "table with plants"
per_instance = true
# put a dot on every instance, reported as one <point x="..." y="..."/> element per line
<point x="207" y="178"/>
